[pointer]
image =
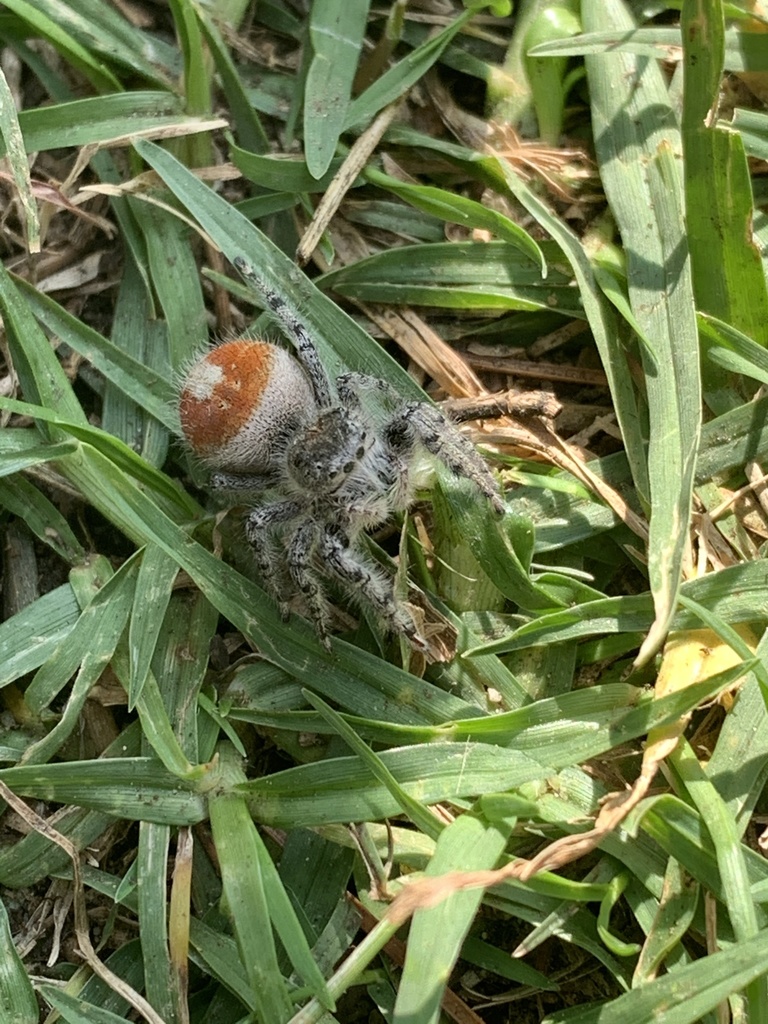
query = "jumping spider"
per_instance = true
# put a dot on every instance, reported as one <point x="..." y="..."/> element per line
<point x="271" y="422"/>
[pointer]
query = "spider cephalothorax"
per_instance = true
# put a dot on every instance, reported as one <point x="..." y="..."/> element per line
<point x="325" y="467"/>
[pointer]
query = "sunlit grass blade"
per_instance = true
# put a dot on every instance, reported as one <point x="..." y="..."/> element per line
<point x="40" y="372"/>
<point x="401" y="76"/>
<point x="459" y="209"/>
<point x="31" y="636"/>
<point x="137" y="788"/>
<point x="336" y="34"/>
<point x="728" y="276"/>
<point x="736" y="594"/>
<point x="336" y="790"/>
<point x="17" y="997"/>
<point x="340" y="340"/>
<point x="436" y="934"/>
<point x="152" y="865"/>
<point x="13" y="143"/>
<point x="81" y="58"/>
<point x="110" y="35"/>
<point x="153" y="592"/>
<point x="77" y="1010"/>
<point x="636" y="141"/>
<point x="733" y="870"/>
<point x="236" y="844"/>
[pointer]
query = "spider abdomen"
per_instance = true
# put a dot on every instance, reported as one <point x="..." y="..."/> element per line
<point x="241" y="402"/>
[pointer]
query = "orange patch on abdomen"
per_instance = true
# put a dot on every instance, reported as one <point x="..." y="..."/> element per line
<point x="222" y="391"/>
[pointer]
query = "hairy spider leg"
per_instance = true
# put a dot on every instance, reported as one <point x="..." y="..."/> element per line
<point x="421" y="423"/>
<point x="306" y="350"/>
<point x="359" y="574"/>
<point x="259" y="525"/>
<point x="301" y="548"/>
<point x="425" y="424"/>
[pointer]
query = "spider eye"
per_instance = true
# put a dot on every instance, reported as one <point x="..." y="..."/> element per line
<point x="348" y="467"/>
<point x="360" y="451"/>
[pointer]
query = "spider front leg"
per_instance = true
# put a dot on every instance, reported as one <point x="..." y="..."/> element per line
<point x="360" y="575"/>
<point x="306" y="350"/>
<point x="419" y="422"/>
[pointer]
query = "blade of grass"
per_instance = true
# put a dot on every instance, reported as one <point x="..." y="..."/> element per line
<point x="107" y="33"/>
<point x="152" y="865"/>
<point x="340" y="340"/>
<point x="636" y="140"/>
<point x="733" y="871"/>
<point x="436" y="934"/>
<point x="157" y="572"/>
<point x="399" y="78"/>
<point x="237" y="843"/>
<point x="728" y="278"/>
<point x="75" y="1010"/>
<point x="40" y="374"/>
<point x="336" y="34"/>
<point x="738" y="593"/>
<point x="23" y="499"/>
<point x="17" y="997"/>
<point x="458" y="209"/>
<point x="10" y="133"/>
<point x="744" y="51"/>
<point x="100" y="77"/>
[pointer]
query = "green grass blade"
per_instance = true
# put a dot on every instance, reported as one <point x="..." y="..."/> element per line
<point x="636" y="141"/>
<point x="23" y="499"/>
<point x="736" y="594"/>
<point x="152" y="867"/>
<point x="463" y="275"/>
<point x="729" y="282"/>
<point x="237" y="844"/>
<point x="336" y="33"/>
<point x="91" y="644"/>
<point x="420" y="815"/>
<point x="733" y="870"/>
<point x="399" y="78"/>
<point x="50" y="28"/>
<point x="40" y="373"/>
<point x="29" y="638"/>
<point x="103" y="30"/>
<point x="436" y="934"/>
<point x="340" y="340"/>
<point x="136" y="788"/>
<point x="13" y="142"/>
<point x="340" y="789"/>
<point x="457" y="209"/>
<point x="286" y="923"/>
<point x="74" y="1010"/>
<point x="17" y="997"/>
<point x="153" y="594"/>
<point x="98" y="119"/>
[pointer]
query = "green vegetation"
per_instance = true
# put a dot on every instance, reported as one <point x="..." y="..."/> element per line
<point x="247" y="826"/>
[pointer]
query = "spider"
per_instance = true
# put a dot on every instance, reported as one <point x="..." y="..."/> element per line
<point x="325" y="466"/>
